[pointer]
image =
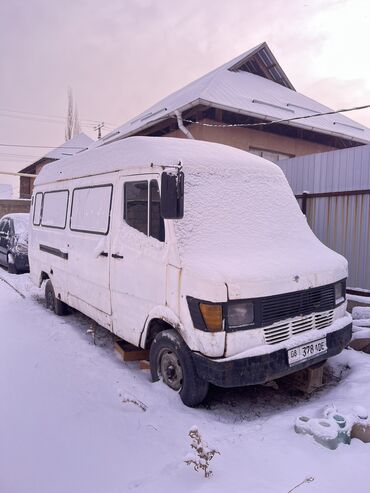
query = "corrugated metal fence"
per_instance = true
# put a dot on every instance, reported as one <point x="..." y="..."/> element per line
<point x="337" y="203"/>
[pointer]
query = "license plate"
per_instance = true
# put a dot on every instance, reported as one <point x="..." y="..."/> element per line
<point x="306" y="351"/>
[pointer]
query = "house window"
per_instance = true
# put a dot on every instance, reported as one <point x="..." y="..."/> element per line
<point x="270" y="155"/>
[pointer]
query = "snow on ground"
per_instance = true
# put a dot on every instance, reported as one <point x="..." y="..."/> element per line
<point x="64" y="425"/>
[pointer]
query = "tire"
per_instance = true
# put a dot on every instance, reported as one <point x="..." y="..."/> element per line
<point x="12" y="269"/>
<point x="171" y="360"/>
<point x="53" y="303"/>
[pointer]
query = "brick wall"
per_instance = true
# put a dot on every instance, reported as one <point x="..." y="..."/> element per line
<point x="8" y="206"/>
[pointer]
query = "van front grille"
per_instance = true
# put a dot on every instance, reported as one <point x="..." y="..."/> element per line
<point x="298" y="303"/>
<point x="282" y="331"/>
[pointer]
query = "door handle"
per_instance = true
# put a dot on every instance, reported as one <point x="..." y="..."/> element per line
<point x="116" y="255"/>
<point x="103" y="254"/>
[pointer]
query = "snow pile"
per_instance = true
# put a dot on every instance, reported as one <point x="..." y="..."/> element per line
<point x="360" y="299"/>
<point x="334" y="427"/>
<point x="361" y="322"/>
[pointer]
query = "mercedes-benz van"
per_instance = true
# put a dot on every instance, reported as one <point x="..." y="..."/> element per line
<point x="196" y="251"/>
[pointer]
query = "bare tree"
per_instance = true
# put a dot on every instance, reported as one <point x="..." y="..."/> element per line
<point x="73" y="127"/>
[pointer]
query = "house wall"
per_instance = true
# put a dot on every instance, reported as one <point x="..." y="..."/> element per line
<point x="25" y="187"/>
<point x="244" y="138"/>
<point x="26" y="183"/>
<point x="8" y="206"/>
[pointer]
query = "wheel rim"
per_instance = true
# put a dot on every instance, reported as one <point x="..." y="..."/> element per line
<point x="170" y="369"/>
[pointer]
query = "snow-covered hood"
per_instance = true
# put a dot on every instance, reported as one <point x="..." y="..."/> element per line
<point x="266" y="273"/>
<point x="246" y="230"/>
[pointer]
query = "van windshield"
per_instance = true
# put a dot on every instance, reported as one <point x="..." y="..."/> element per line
<point x="238" y="221"/>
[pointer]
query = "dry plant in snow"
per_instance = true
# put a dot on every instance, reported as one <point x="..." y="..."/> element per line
<point x="202" y="455"/>
<point x="307" y="480"/>
<point x="132" y="400"/>
<point x="137" y="403"/>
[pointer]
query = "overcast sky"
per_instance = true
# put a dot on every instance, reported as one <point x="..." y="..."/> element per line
<point x="121" y="56"/>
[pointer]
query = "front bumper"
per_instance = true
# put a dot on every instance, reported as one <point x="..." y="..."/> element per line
<point x="264" y="368"/>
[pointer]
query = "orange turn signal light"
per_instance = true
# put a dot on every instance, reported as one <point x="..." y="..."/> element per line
<point x="212" y="316"/>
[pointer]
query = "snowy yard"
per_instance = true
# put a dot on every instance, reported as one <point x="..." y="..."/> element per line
<point x="65" y="426"/>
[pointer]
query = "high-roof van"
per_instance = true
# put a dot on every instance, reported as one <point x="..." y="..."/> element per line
<point x="196" y="251"/>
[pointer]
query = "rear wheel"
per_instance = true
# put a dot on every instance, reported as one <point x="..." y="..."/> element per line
<point x="171" y="361"/>
<point x="52" y="302"/>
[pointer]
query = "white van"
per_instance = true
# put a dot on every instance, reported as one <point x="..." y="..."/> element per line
<point x="194" y="250"/>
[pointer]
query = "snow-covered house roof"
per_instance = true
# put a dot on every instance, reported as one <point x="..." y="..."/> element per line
<point x="254" y="85"/>
<point x="77" y="144"/>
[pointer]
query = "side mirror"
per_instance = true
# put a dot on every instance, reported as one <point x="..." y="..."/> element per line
<point x="172" y="195"/>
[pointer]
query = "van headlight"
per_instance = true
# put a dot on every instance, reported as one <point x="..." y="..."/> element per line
<point x="212" y="316"/>
<point x="339" y="291"/>
<point x="240" y="314"/>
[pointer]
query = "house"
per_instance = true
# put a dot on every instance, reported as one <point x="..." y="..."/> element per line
<point x="251" y="90"/>
<point x="69" y="148"/>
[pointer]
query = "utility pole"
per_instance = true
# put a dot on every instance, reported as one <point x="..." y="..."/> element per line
<point x="98" y="128"/>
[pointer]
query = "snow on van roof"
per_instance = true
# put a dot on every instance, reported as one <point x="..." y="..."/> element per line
<point x="144" y="152"/>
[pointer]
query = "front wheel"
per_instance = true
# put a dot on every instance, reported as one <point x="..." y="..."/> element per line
<point x="52" y="302"/>
<point x="171" y="360"/>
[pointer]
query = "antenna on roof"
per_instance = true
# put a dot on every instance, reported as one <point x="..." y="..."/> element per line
<point x="98" y="128"/>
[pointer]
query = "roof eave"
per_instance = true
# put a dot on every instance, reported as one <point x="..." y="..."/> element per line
<point x="212" y="104"/>
<point x="172" y="114"/>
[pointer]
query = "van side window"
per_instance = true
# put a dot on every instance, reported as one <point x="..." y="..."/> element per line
<point x="91" y="209"/>
<point x="156" y="224"/>
<point x="136" y="205"/>
<point x="37" y="209"/>
<point x="54" y="210"/>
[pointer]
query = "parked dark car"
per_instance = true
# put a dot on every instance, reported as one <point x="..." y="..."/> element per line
<point x="14" y="242"/>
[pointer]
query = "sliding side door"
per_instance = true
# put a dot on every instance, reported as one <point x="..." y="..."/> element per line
<point x="89" y="246"/>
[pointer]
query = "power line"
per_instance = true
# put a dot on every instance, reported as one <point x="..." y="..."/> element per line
<point x="43" y="120"/>
<point x="40" y="115"/>
<point x="41" y="147"/>
<point x="13" y="154"/>
<point x="25" y="114"/>
<point x="285" y="120"/>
